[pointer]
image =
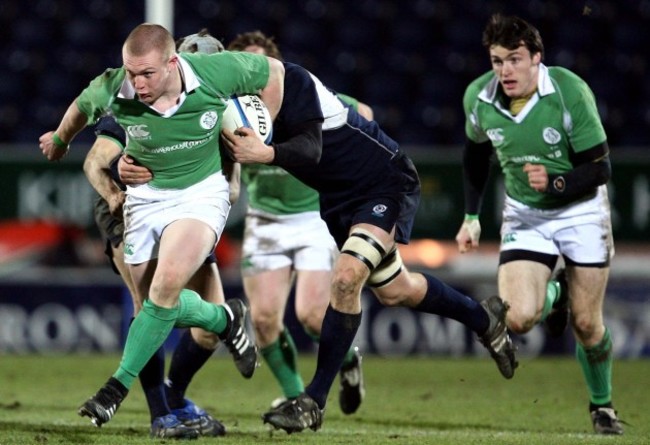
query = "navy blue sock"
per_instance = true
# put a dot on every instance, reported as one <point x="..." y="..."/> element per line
<point x="151" y="379"/>
<point x="187" y="359"/>
<point x="442" y="299"/>
<point x="336" y="337"/>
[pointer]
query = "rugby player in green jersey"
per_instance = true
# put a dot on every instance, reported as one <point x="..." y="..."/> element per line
<point x="172" y="414"/>
<point x="170" y="106"/>
<point x="542" y="122"/>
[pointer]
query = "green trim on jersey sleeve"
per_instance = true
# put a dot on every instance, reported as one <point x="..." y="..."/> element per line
<point x="353" y="102"/>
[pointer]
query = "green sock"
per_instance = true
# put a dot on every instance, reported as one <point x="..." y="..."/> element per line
<point x="196" y="312"/>
<point x="552" y="295"/>
<point x="349" y="356"/>
<point x="147" y="333"/>
<point x="596" y="363"/>
<point x="281" y="358"/>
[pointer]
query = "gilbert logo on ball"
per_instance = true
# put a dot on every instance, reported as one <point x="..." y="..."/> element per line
<point x="248" y="111"/>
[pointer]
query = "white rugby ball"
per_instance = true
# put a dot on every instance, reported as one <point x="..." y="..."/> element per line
<point x="248" y="111"/>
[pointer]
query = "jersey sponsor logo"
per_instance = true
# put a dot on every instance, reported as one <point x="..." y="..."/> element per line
<point x="524" y="159"/>
<point x="208" y="120"/>
<point x="138" y="131"/>
<point x="496" y="136"/>
<point x="551" y="136"/>
<point x="379" y="210"/>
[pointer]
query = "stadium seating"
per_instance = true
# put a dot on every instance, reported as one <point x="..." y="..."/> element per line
<point x="411" y="60"/>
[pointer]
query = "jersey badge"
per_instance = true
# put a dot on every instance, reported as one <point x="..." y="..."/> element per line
<point x="208" y="120"/>
<point x="551" y="136"/>
<point x="379" y="210"/>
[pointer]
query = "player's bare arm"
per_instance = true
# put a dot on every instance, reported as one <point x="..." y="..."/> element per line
<point x="97" y="169"/>
<point x="273" y="93"/>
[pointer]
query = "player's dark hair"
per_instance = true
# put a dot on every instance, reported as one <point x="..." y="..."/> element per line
<point x="511" y="32"/>
<point x="257" y="38"/>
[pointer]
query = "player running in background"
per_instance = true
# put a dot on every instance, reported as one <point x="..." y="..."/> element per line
<point x="543" y="124"/>
<point x="170" y="105"/>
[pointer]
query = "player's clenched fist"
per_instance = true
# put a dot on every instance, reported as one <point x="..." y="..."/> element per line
<point x="468" y="235"/>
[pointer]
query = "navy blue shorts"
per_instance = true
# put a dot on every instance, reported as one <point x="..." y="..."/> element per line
<point x="388" y="204"/>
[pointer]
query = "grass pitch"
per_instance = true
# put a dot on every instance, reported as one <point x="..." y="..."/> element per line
<point x="408" y="401"/>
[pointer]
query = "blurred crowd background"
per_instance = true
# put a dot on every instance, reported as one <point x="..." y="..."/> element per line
<point x="410" y="60"/>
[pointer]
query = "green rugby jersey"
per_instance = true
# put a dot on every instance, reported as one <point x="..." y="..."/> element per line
<point x="181" y="146"/>
<point x="273" y="190"/>
<point x="561" y="117"/>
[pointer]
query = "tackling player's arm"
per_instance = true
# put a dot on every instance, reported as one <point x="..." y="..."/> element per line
<point x="100" y="164"/>
<point x="302" y="146"/>
<point x="97" y="170"/>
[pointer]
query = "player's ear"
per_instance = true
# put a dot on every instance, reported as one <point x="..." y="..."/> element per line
<point x="537" y="58"/>
<point x="173" y="61"/>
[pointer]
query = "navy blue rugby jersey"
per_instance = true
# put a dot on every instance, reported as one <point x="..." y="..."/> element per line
<point x="356" y="154"/>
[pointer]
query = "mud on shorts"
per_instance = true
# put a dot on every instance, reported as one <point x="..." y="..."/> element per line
<point x="275" y="241"/>
<point x="581" y="232"/>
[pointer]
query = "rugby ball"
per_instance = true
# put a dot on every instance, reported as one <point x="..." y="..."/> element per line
<point x="248" y="111"/>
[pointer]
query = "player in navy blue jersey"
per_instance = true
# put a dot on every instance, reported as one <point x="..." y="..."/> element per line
<point x="369" y="193"/>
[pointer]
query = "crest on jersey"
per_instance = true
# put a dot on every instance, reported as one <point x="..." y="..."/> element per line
<point x="551" y="136"/>
<point x="379" y="210"/>
<point x="208" y="120"/>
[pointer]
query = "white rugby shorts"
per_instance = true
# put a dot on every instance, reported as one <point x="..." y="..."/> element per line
<point x="147" y="211"/>
<point x="275" y="241"/>
<point x="582" y="231"/>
